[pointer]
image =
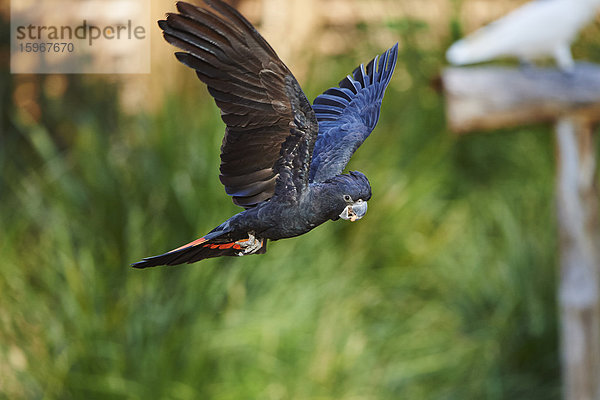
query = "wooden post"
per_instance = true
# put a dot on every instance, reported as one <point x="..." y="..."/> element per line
<point x="577" y="205"/>
<point x="481" y="98"/>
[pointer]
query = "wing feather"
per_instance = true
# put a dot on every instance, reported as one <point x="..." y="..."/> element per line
<point x="347" y="114"/>
<point x="258" y="96"/>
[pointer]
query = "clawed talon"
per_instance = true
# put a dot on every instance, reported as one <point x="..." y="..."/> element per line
<point x="250" y="245"/>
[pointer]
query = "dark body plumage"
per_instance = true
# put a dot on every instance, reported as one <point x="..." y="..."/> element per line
<point x="281" y="159"/>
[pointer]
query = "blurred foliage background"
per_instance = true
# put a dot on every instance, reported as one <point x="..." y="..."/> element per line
<point x="445" y="290"/>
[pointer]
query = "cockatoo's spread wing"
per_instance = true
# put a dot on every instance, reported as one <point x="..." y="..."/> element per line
<point x="347" y="114"/>
<point x="541" y="28"/>
<point x="271" y="127"/>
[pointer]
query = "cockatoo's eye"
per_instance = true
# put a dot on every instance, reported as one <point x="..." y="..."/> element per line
<point x="347" y="198"/>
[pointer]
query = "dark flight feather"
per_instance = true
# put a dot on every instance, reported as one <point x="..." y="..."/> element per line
<point x="271" y="127"/>
<point x="347" y="114"/>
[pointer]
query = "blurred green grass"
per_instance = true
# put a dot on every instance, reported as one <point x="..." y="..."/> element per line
<point x="445" y="290"/>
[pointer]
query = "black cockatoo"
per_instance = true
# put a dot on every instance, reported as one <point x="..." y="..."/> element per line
<point x="281" y="159"/>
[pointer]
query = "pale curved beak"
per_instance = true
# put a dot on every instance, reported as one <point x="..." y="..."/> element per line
<point x="355" y="211"/>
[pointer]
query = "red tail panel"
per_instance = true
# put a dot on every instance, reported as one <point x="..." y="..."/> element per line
<point x="194" y="243"/>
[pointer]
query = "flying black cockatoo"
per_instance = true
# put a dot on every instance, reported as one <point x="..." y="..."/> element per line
<point x="281" y="159"/>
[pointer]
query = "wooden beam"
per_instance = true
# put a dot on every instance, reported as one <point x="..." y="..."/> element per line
<point x="491" y="97"/>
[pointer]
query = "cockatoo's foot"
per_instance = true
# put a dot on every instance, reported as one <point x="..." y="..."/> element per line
<point x="250" y="245"/>
<point x="527" y="67"/>
<point x="525" y="64"/>
<point x="564" y="59"/>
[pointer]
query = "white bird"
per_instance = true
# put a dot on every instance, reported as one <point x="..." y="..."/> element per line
<point x="539" y="29"/>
